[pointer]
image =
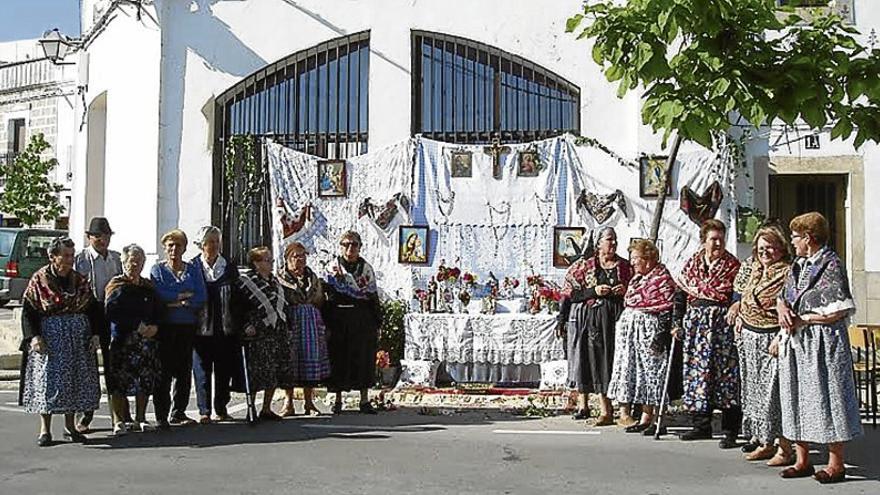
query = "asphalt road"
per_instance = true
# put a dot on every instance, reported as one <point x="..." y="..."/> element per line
<point x="395" y="452"/>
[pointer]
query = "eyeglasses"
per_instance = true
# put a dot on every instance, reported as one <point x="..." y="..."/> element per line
<point x="347" y="244"/>
<point x="796" y="236"/>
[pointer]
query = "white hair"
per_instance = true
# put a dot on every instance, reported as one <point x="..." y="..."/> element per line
<point x="206" y="231"/>
<point x="132" y="250"/>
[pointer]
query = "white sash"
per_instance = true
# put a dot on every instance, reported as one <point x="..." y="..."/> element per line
<point x="272" y="314"/>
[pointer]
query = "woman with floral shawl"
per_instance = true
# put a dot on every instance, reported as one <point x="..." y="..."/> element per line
<point x="61" y="373"/>
<point x="757" y="327"/>
<point x="642" y="338"/>
<point x="593" y="300"/>
<point x="304" y="294"/>
<point x="353" y="317"/>
<point x="711" y="364"/>
<point x="817" y="392"/>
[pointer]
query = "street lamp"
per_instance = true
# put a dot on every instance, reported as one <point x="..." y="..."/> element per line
<point x="56" y="46"/>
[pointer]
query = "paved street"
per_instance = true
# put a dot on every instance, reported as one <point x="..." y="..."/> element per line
<point x="395" y="452"/>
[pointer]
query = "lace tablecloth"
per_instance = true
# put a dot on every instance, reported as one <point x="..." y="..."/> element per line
<point x="506" y="339"/>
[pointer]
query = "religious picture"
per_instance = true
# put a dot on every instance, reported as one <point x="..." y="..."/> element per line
<point x="568" y="245"/>
<point x="651" y="170"/>
<point x="332" y="178"/>
<point x="461" y="164"/>
<point x="413" y="247"/>
<point x="527" y="165"/>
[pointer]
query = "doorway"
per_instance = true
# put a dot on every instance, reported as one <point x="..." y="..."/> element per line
<point x="794" y="194"/>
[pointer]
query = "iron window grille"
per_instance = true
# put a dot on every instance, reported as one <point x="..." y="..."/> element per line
<point x="464" y="91"/>
<point x="314" y="101"/>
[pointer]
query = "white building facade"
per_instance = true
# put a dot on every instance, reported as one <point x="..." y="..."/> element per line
<point x="166" y="82"/>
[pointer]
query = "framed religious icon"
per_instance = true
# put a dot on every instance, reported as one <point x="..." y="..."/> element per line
<point x="332" y="179"/>
<point x="568" y="245"/>
<point x="462" y="164"/>
<point x="413" y="246"/>
<point x="527" y="164"/>
<point x="651" y="171"/>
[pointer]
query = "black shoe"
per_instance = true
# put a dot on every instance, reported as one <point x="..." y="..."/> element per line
<point x="75" y="436"/>
<point x="652" y="430"/>
<point x="581" y="415"/>
<point x="44" y="440"/>
<point x="163" y="425"/>
<point x="367" y="408"/>
<point x="337" y="408"/>
<point x="728" y="442"/>
<point x="750" y="447"/>
<point x="637" y="428"/>
<point x="696" y="435"/>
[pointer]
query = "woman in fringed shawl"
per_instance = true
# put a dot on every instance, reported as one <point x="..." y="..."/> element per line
<point x="757" y="327"/>
<point x="260" y="314"/>
<point x="817" y="392"/>
<point x="133" y="309"/>
<point x="305" y="296"/>
<point x="593" y="300"/>
<point x="353" y="316"/>
<point x="61" y="373"/>
<point x="711" y="363"/>
<point x="642" y="338"/>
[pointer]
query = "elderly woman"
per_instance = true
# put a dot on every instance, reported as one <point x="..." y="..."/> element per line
<point x="260" y="312"/>
<point x="642" y="338"/>
<point x="181" y="290"/>
<point x="305" y="296"/>
<point x="817" y="391"/>
<point x="133" y="310"/>
<point x="215" y="349"/>
<point x="711" y="368"/>
<point x="757" y="325"/>
<point x="353" y="316"/>
<point x="61" y="374"/>
<point x="593" y="291"/>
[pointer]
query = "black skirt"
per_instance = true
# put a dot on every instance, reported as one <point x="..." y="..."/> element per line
<point x="591" y="344"/>
<point x="351" y="344"/>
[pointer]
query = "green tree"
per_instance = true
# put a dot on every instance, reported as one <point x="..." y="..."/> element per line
<point x="30" y="195"/>
<point x="702" y="63"/>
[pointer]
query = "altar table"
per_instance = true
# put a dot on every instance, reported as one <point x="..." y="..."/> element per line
<point x="507" y="347"/>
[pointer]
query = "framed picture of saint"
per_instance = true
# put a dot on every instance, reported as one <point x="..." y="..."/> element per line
<point x="462" y="164"/>
<point x="568" y="245"/>
<point x="413" y="246"/>
<point x="651" y="171"/>
<point x="332" y="179"/>
<point x="528" y="164"/>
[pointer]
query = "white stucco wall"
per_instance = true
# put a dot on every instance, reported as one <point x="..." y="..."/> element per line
<point x="123" y="62"/>
<point x="208" y="47"/>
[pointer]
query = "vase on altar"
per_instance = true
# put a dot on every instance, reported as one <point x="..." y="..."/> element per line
<point x="464" y="298"/>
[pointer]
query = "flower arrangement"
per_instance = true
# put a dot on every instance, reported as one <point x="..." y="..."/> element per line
<point x="549" y="293"/>
<point x="383" y="360"/>
<point x="469" y="279"/>
<point x="535" y="281"/>
<point x="510" y="283"/>
<point x="445" y="274"/>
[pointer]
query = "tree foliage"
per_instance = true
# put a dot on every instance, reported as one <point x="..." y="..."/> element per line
<point x="30" y="195"/>
<point x="700" y="60"/>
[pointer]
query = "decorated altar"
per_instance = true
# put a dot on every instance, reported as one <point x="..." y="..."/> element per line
<point x="459" y="231"/>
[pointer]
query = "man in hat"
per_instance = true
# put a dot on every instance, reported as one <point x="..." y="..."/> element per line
<point x="99" y="264"/>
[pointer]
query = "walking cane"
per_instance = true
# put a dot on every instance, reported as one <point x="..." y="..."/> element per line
<point x="251" y="407"/>
<point x="663" y="401"/>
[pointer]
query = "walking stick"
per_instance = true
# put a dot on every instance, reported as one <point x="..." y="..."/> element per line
<point x="251" y="407"/>
<point x="663" y="401"/>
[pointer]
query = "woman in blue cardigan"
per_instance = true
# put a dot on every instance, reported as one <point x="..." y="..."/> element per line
<point x="181" y="289"/>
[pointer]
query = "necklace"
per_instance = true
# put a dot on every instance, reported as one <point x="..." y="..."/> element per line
<point x="505" y="211"/>
<point x="541" y="205"/>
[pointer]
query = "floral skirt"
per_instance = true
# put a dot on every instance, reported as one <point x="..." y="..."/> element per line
<point x="64" y="379"/>
<point x="135" y="365"/>
<point x="762" y="415"/>
<point x="268" y="360"/>
<point x="639" y="372"/>
<point x="711" y="362"/>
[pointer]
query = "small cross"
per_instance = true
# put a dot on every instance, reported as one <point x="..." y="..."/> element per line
<point x="496" y="150"/>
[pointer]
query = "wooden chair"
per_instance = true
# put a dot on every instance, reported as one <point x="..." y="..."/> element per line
<point x="865" y="340"/>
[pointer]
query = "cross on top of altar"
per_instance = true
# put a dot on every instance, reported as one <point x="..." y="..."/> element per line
<point x="495" y="151"/>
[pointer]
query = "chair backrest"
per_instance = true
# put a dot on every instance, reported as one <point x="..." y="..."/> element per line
<point x="858" y="336"/>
